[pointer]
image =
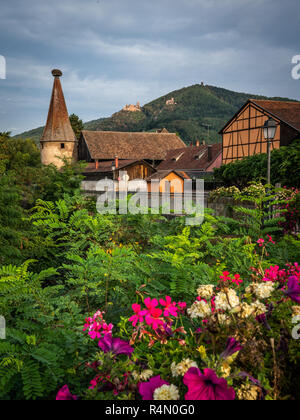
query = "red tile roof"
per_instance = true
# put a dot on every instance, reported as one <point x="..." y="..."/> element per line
<point x="288" y="112"/>
<point x="163" y="174"/>
<point x="137" y="146"/>
<point x="58" y="126"/>
<point x="190" y="158"/>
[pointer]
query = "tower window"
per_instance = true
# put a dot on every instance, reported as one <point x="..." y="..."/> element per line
<point x="62" y="145"/>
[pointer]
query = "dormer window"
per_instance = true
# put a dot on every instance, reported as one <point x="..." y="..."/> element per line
<point x="198" y="157"/>
<point x="176" y="158"/>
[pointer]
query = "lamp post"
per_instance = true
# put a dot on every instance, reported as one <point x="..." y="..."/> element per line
<point x="269" y="134"/>
<point x="113" y="168"/>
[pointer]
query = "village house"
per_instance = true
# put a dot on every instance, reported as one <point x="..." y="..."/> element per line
<point x="159" y="155"/>
<point x="243" y="134"/>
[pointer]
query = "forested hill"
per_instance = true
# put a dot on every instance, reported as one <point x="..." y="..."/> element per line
<point x="196" y="107"/>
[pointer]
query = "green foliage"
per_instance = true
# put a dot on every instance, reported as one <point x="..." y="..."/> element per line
<point x="76" y="124"/>
<point x="284" y="168"/>
<point x="10" y="220"/>
<point x="43" y="332"/>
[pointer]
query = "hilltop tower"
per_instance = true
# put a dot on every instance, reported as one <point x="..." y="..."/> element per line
<point x="58" y="140"/>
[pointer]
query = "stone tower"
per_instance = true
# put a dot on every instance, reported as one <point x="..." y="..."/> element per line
<point x="58" y="140"/>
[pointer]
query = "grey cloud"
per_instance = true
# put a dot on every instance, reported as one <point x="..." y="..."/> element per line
<point x="117" y="51"/>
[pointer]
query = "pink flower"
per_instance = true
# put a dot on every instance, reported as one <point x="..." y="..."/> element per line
<point x="146" y="389"/>
<point x="261" y="241"/>
<point x="232" y="347"/>
<point x="139" y="314"/>
<point x="271" y="273"/>
<point x="182" y="307"/>
<point x="150" y="303"/>
<point x="225" y="276"/>
<point x="207" y="386"/>
<point x="293" y="291"/>
<point x="170" y="307"/>
<point x="237" y="279"/>
<point x="270" y="239"/>
<point x="115" y="345"/>
<point x="153" y="318"/>
<point x="64" y="394"/>
<point x="97" y="327"/>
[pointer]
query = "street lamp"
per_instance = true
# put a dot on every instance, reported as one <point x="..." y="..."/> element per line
<point x="270" y="127"/>
<point x="113" y="168"/>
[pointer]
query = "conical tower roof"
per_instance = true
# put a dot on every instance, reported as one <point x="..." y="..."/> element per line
<point x="58" y="127"/>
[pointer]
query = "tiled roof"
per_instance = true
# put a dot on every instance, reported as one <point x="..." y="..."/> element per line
<point x="190" y="158"/>
<point x="288" y="112"/>
<point x="58" y="126"/>
<point x="163" y="174"/>
<point x="106" y="166"/>
<point x="137" y="146"/>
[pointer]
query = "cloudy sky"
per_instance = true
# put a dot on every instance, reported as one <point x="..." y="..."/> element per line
<point x="114" y="52"/>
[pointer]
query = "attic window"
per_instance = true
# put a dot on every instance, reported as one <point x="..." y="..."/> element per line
<point x="198" y="157"/>
<point x="62" y="145"/>
<point x="176" y="158"/>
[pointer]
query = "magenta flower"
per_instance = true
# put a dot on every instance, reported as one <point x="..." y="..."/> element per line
<point x="182" y="305"/>
<point x="150" y="303"/>
<point x="232" y="347"/>
<point x="272" y="273"/>
<point x="154" y="319"/>
<point x="225" y="276"/>
<point x="170" y="307"/>
<point x="97" y="327"/>
<point x="139" y="314"/>
<point x="64" y="394"/>
<point x="260" y="242"/>
<point x="237" y="279"/>
<point x="293" y="290"/>
<point x="271" y="239"/>
<point x="115" y="345"/>
<point x="207" y="386"/>
<point x="146" y="389"/>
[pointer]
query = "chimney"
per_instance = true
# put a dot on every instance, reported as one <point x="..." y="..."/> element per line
<point x="209" y="152"/>
<point x="197" y="143"/>
<point x="117" y="162"/>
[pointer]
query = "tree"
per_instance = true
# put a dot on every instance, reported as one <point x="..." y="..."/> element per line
<point x="76" y="124"/>
<point x="284" y="168"/>
<point x="10" y="221"/>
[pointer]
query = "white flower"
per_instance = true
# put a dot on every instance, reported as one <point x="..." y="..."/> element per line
<point x="296" y="310"/>
<point x="182" y="367"/>
<point x="245" y="310"/>
<point x="166" y="393"/>
<point x="248" y="393"/>
<point x="227" y="301"/>
<point x="199" y="310"/>
<point x="258" y="308"/>
<point x="223" y="319"/>
<point x="143" y="376"/>
<point x="206" y="291"/>
<point x="261" y="290"/>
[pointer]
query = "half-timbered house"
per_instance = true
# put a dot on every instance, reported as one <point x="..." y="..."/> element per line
<point x="243" y="134"/>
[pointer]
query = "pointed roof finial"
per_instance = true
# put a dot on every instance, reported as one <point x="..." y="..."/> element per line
<point x="56" y="73"/>
<point x="58" y="127"/>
